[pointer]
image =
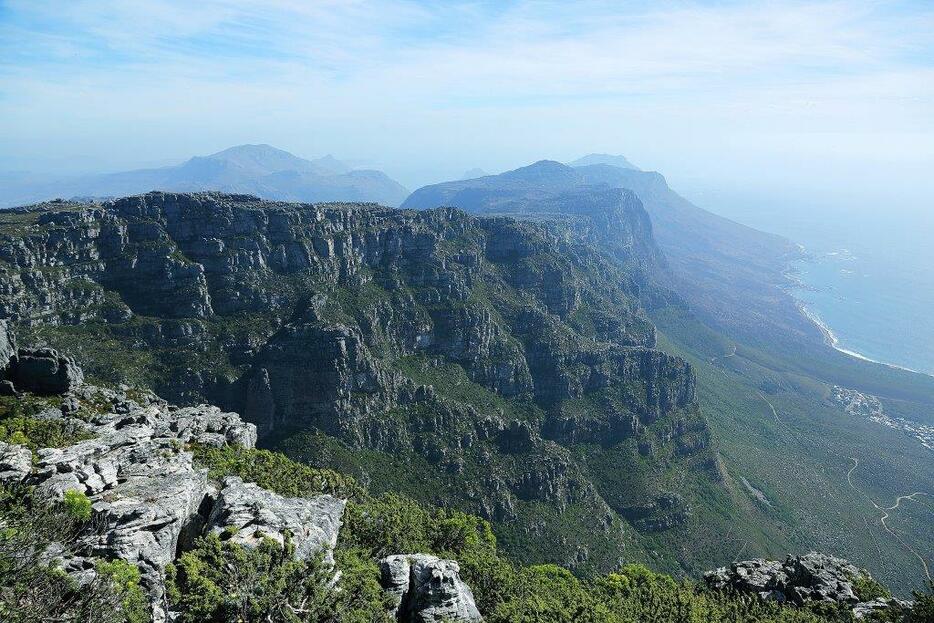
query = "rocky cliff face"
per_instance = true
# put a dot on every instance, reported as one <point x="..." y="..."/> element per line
<point x="482" y="349"/>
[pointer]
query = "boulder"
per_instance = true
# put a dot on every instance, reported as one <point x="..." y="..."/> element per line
<point x="43" y="371"/>
<point x="7" y="388"/>
<point x="812" y="577"/>
<point x="427" y="589"/>
<point x="255" y="513"/>
<point x="868" y="608"/>
<point x="15" y="462"/>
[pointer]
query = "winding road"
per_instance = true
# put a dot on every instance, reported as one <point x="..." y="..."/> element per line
<point x="885" y="513"/>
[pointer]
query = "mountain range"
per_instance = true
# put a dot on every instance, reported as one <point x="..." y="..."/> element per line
<point x="259" y="170"/>
<point x="577" y="354"/>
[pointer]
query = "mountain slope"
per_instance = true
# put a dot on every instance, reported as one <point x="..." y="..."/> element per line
<point x="261" y="170"/>
<point x="498" y="366"/>
<point x="767" y="379"/>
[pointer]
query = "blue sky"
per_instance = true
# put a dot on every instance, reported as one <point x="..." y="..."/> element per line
<point x="734" y="101"/>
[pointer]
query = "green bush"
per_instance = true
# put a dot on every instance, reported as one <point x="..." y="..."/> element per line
<point x="273" y="471"/>
<point x="923" y="609"/>
<point x="34" y="590"/>
<point x="77" y="504"/>
<point x="868" y="589"/>
<point x="220" y="581"/>
<point x="125" y="580"/>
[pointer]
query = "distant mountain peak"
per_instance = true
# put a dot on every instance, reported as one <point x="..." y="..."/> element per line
<point x="474" y="173"/>
<point x="540" y="169"/>
<point x="615" y="161"/>
<point x="260" y="159"/>
<point x="260" y="169"/>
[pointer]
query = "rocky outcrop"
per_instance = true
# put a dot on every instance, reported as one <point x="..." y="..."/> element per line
<point x="44" y="372"/>
<point x="144" y="488"/>
<point x="427" y="589"/>
<point x="252" y="514"/>
<point x="149" y="499"/>
<point x="812" y="577"/>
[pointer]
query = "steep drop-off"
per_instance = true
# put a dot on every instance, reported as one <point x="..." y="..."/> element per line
<point x="498" y="366"/>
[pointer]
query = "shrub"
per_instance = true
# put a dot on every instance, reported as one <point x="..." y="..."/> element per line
<point x="273" y="471"/>
<point x="867" y="589"/>
<point x="220" y="581"/>
<point x="125" y="580"/>
<point x="77" y="505"/>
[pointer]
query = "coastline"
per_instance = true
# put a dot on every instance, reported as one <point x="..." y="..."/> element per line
<point x="831" y="339"/>
<point x="795" y="285"/>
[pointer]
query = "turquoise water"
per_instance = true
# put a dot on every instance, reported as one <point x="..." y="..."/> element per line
<point x="870" y="279"/>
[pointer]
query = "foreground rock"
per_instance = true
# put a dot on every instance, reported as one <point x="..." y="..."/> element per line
<point x="149" y="497"/>
<point x="427" y="589"/>
<point x="15" y="462"/>
<point x="42" y="371"/>
<point x="145" y="490"/>
<point x="255" y="514"/>
<point x="812" y="577"/>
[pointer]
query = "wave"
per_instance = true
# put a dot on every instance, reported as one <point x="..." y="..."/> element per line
<point x="831" y="339"/>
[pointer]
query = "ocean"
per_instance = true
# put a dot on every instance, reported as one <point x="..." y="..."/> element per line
<point x="868" y="279"/>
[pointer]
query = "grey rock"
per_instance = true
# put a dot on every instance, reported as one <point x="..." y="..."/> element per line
<point x="313" y="524"/>
<point x="7" y="346"/>
<point x="15" y="462"/>
<point x="802" y="579"/>
<point x="427" y="589"/>
<point x="43" y="371"/>
<point x="867" y="608"/>
<point x="7" y="388"/>
<point x="144" y="488"/>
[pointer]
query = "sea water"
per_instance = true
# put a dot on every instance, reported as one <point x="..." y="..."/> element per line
<point x="868" y="279"/>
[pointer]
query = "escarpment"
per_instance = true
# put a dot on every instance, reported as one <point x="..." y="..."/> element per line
<point x="500" y="366"/>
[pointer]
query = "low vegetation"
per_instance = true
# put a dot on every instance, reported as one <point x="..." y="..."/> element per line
<point x="221" y="581"/>
<point x="268" y="583"/>
<point x="19" y="424"/>
<point x="33" y="589"/>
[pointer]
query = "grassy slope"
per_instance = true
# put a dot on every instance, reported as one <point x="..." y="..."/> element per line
<point x="800" y="455"/>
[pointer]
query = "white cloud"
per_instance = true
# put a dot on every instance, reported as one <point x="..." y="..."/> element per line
<point x="475" y="83"/>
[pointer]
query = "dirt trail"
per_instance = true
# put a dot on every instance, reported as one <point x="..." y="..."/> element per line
<point x="885" y="513"/>
<point x="723" y="356"/>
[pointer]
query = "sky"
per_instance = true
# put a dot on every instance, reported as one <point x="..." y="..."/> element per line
<point x="737" y="103"/>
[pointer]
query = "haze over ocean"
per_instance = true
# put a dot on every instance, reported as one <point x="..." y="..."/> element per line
<point x="870" y="279"/>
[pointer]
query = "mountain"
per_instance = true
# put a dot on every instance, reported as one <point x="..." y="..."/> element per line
<point x="159" y="513"/>
<point x="716" y="261"/>
<point x="733" y="277"/>
<point x="615" y="161"/>
<point x="259" y="170"/>
<point x="473" y="173"/>
<point x="773" y="390"/>
<point x="497" y="366"/>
